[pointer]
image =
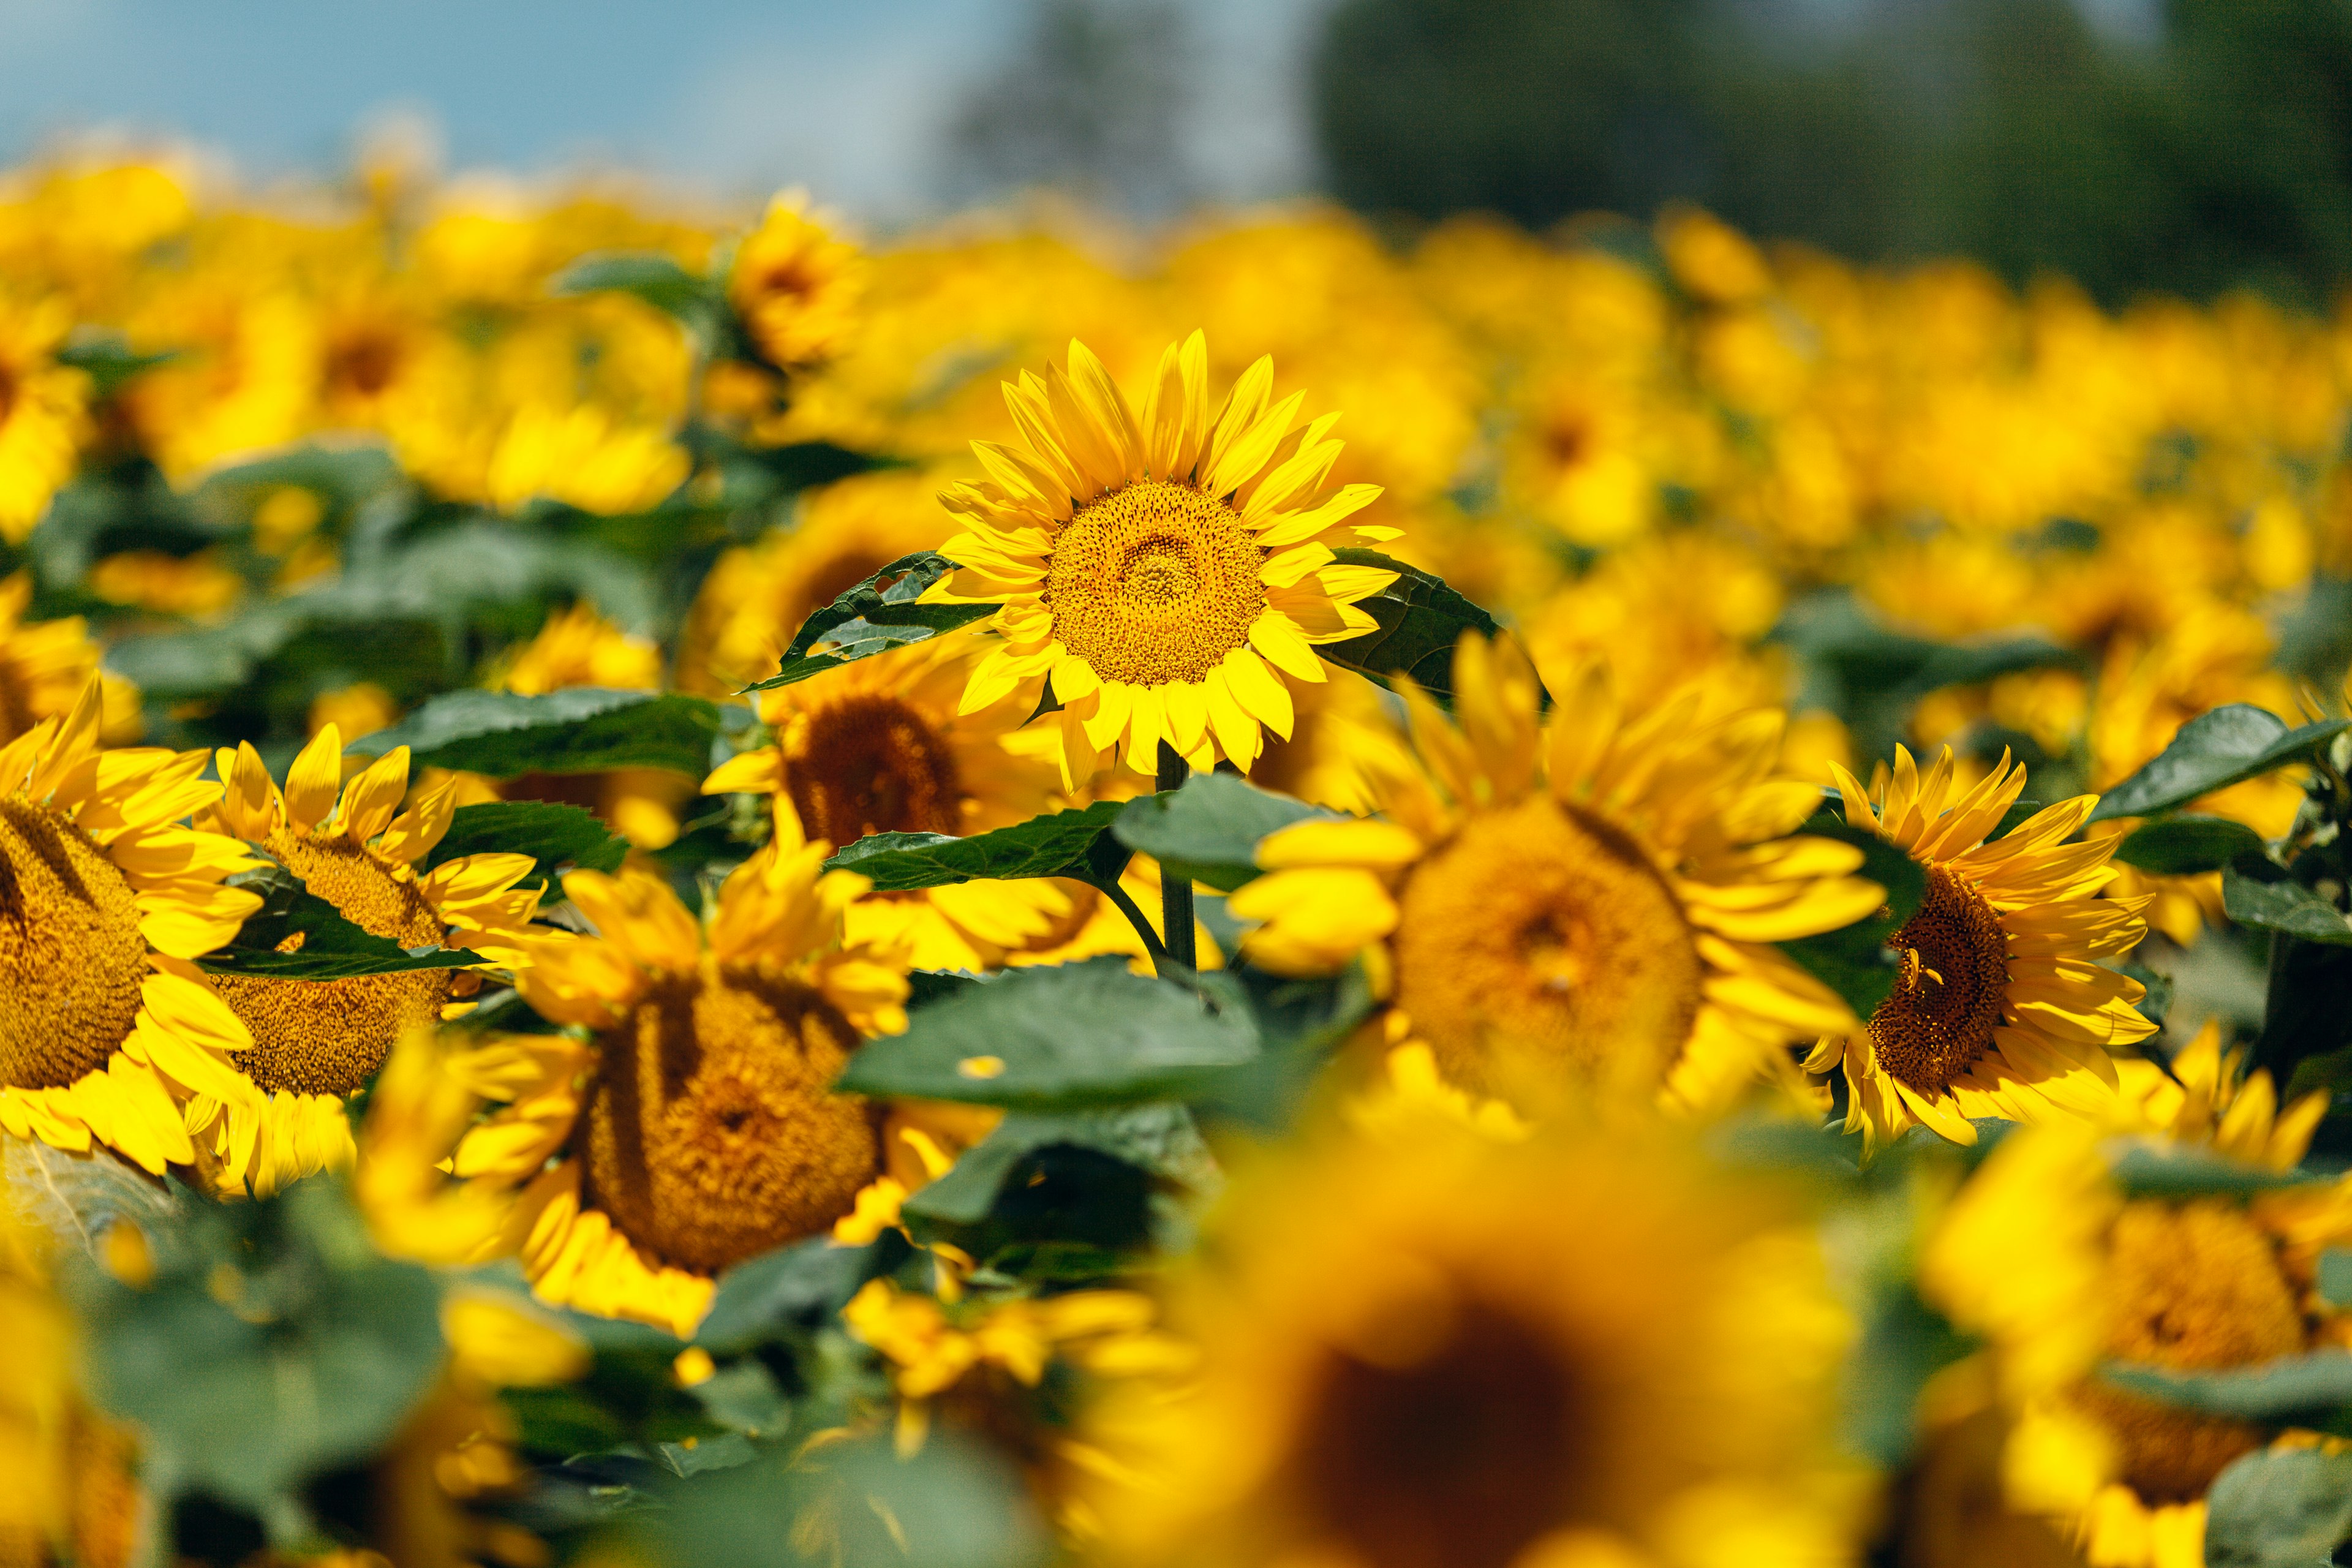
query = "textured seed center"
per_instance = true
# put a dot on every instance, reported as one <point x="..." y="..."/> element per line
<point x="328" y="1037"/>
<point x="2196" y="1289"/>
<point x="1154" y="584"/>
<point x="72" y="958"/>
<point x="1539" y="937"/>
<point x="712" y="1131"/>
<point x="1938" y="1021"/>
<point x="870" y="763"/>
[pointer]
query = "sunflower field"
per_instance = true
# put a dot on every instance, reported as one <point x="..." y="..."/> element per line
<point x="681" y="890"/>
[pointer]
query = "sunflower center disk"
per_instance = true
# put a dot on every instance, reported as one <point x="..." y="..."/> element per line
<point x="72" y="958"/>
<point x="1154" y="584"/>
<point x="1541" y="939"/>
<point x="872" y="765"/>
<point x="2194" y="1288"/>
<point x="712" y="1134"/>
<point x="328" y="1037"/>
<point x="1938" y="1020"/>
<point x="1460" y="1452"/>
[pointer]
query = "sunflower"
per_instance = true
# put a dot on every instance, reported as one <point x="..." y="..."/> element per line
<point x="105" y="902"/>
<point x="795" y="286"/>
<point x="1416" y="1355"/>
<point x="45" y="665"/>
<point x="315" y="1042"/>
<point x="2057" y="1271"/>
<point x="43" y="416"/>
<point x="2002" y="1008"/>
<point x="697" y="1126"/>
<point x="879" y="747"/>
<point x="1593" y="904"/>
<point x="1161" y="577"/>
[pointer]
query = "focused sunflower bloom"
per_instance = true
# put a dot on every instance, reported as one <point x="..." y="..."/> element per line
<point x="2058" y="1271"/>
<point x="2002" y="1008"/>
<point x="1594" y="905"/>
<point x="105" y="902"/>
<point x="795" y="286"/>
<point x="43" y="415"/>
<point x="45" y="665"/>
<point x="696" y="1126"/>
<point x="1418" y="1356"/>
<point x="315" y="1042"/>
<point x="1161" y="577"/>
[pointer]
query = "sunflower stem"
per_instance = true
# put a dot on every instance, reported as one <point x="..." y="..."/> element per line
<point x="1176" y="893"/>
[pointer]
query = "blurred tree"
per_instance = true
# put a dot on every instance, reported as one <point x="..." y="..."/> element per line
<point x="1092" y="102"/>
<point x="2217" y="154"/>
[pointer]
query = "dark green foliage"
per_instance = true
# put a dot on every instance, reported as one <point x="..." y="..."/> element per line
<point x="1209" y="830"/>
<point x="578" y="730"/>
<point x="1420" y="619"/>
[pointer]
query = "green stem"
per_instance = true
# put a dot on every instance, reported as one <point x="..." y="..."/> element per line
<point x="1176" y="893"/>
<point x="1136" y="918"/>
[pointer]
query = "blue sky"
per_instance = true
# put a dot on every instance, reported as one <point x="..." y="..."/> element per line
<point x="735" y="95"/>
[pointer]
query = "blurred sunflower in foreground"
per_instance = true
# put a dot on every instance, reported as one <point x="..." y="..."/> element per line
<point x="2002" y="1008"/>
<point x="1161" y="578"/>
<point x="1414" y="1354"/>
<point x="1586" y="904"/>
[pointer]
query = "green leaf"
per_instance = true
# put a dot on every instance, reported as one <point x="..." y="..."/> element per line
<point x="2213" y="750"/>
<point x="273" y="1344"/>
<point x="1066" y="843"/>
<point x="1905" y="1343"/>
<point x="584" y="730"/>
<point x="2261" y="894"/>
<point x="1060" y="1038"/>
<point x="802" y="1284"/>
<point x="2187" y="845"/>
<point x="656" y="278"/>
<point x="2154" y="1170"/>
<point x="2335" y="1278"/>
<point x="1855" y="961"/>
<point x="724" y="1452"/>
<point x="110" y="361"/>
<point x="75" y="1197"/>
<point x="332" y="948"/>
<point x="1208" y="830"/>
<point x="2272" y="1392"/>
<point x="744" y="1397"/>
<point x="2279" y="1508"/>
<point x="1160" y="1138"/>
<point x="1421" y="618"/>
<point x="555" y="836"/>
<point x="872" y="618"/>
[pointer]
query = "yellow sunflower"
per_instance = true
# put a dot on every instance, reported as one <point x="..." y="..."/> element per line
<point x="1162" y="577"/>
<point x="1594" y="904"/>
<point x="880" y="747"/>
<point x="2002" y="1008"/>
<point x="105" y="902"/>
<point x="45" y="665"/>
<point x="1418" y="1355"/>
<point x="697" y="1126"/>
<point x="315" y="1042"/>
<point x="795" y="286"/>
<point x="2058" y="1271"/>
<point x="43" y="415"/>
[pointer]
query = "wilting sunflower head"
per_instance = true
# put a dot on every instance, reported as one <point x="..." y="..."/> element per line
<point x="698" y="1126"/>
<point x="796" y="286"/>
<point x="1587" y="906"/>
<point x="1419" y="1355"/>
<point x="2001" y="1009"/>
<point x="105" y="902"/>
<point x="354" y="847"/>
<point x="1163" y="576"/>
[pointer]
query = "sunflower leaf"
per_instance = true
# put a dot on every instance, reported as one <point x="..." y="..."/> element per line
<point x="1208" y="830"/>
<point x="2257" y="892"/>
<point x="1060" y="1038"/>
<point x="582" y="729"/>
<point x="2167" y="1171"/>
<point x="882" y="613"/>
<point x="1421" y="618"/>
<point x="656" y="280"/>
<point x="1159" y="1137"/>
<point x="1855" y="961"/>
<point x="329" y="947"/>
<point x="2279" y="1508"/>
<point x="2213" y="750"/>
<point x="2187" y="844"/>
<point x="1066" y="844"/>
<point x="2307" y="1385"/>
<point x="553" y="836"/>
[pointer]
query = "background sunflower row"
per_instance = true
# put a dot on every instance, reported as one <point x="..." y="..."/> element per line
<point x="516" y="494"/>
